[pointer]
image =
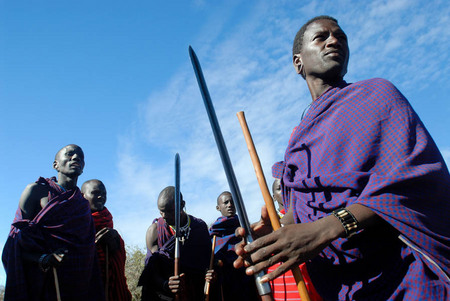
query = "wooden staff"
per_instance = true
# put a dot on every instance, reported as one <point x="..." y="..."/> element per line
<point x="211" y="265"/>
<point x="107" y="272"/>
<point x="274" y="219"/>
<point x="55" y="276"/>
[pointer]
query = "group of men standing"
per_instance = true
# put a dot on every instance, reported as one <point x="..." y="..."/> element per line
<point x="62" y="245"/>
<point x="366" y="192"/>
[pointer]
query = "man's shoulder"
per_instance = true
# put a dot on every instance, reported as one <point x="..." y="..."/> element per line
<point x="376" y="83"/>
<point x="196" y="220"/>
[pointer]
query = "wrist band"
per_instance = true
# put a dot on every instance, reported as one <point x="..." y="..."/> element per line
<point x="348" y="221"/>
<point x="40" y="263"/>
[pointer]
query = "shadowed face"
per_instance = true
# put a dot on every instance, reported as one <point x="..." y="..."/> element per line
<point x="276" y="190"/>
<point x="225" y="205"/>
<point x="324" y="52"/>
<point x="95" y="193"/>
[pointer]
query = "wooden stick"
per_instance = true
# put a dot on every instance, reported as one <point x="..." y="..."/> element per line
<point x="58" y="293"/>
<point x="107" y="272"/>
<point x="211" y="265"/>
<point x="274" y="219"/>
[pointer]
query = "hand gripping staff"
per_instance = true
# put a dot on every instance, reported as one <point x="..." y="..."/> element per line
<point x="177" y="218"/>
<point x="264" y="289"/>
<point x="274" y="220"/>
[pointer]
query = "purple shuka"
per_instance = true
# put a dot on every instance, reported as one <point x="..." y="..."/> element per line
<point x="224" y="228"/>
<point x="65" y="222"/>
<point x="194" y="251"/>
<point x="363" y="143"/>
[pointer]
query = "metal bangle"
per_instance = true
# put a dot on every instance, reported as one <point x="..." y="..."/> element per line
<point x="348" y="221"/>
<point x="40" y="263"/>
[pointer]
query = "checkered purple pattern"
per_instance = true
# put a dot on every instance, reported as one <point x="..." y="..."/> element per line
<point x="65" y="222"/>
<point x="363" y="143"/>
<point x="224" y="228"/>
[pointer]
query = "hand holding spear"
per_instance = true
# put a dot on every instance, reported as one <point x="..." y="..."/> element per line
<point x="274" y="220"/>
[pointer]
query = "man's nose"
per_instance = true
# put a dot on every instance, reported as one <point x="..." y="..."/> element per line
<point x="333" y="41"/>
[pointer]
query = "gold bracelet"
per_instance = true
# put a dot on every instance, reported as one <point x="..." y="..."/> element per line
<point x="348" y="221"/>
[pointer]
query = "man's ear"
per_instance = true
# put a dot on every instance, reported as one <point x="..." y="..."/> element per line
<point x="298" y="64"/>
<point x="217" y="208"/>
<point x="55" y="165"/>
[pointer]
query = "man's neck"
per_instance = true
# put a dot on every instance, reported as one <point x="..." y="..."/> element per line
<point x="318" y="86"/>
<point x="66" y="181"/>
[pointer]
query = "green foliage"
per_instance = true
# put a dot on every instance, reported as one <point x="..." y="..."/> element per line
<point x="133" y="269"/>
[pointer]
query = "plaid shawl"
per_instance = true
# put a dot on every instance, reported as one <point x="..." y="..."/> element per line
<point x="64" y="222"/>
<point x="195" y="251"/>
<point x="117" y="288"/>
<point x="224" y="228"/>
<point x="363" y="143"/>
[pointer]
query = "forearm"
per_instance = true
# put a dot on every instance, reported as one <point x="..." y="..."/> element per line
<point x="332" y="228"/>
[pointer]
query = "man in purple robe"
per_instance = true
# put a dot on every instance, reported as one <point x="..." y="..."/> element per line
<point x="157" y="280"/>
<point x="53" y="233"/>
<point x="365" y="183"/>
<point x="232" y="284"/>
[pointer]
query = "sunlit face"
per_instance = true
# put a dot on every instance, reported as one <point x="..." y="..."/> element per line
<point x="225" y="205"/>
<point x="95" y="193"/>
<point x="70" y="160"/>
<point x="324" y="52"/>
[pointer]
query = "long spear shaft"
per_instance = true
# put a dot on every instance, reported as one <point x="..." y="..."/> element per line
<point x="177" y="217"/>
<point x="264" y="289"/>
<point x="274" y="220"/>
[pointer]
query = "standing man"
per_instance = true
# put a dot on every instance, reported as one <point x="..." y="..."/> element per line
<point x="234" y="284"/>
<point x="157" y="280"/>
<point x="369" y="189"/>
<point x="110" y="246"/>
<point x="53" y="228"/>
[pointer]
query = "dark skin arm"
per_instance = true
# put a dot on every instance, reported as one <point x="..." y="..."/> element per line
<point x="151" y="238"/>
<point x="33" y="199"/>
<point x="294" y="243"/>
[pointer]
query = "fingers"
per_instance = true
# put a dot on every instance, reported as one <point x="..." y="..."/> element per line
<point x="283" y="268"/>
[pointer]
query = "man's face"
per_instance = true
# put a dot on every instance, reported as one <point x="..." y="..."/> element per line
<point x="166" y="208"/>
<point x="95" y="193"/>
<point x="226" y="205"/>
<point x="277" y="192"/>
<point x="70" y="161"/>
<point x="324" y="53"/>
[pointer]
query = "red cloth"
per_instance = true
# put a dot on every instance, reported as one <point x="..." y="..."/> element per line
<point x="117" y="288"/>
<point x="284" y="287"/>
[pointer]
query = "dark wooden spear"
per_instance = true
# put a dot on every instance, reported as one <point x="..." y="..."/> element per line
<point x="177" y="218"/>
<point x="264" y="289"/>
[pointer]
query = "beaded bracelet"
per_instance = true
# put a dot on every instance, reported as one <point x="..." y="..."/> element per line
<point x="348" y="221"/>
<point x="40" y="263"/>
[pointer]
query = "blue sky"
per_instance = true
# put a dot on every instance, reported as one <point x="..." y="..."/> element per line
<point x="116" y="79"/>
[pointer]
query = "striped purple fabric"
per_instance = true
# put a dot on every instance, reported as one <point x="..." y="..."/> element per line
<point x="195" y="251"/>
<point x="65" y="222"/>
<point x="363" y="143"/>
<point x="224" y="228"/>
